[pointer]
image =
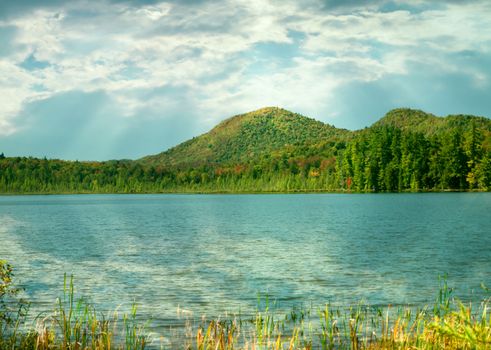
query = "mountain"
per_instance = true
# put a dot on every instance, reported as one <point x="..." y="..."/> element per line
<point x="275" y="150"/>
<point x="248" y="136"/>
<point x="428" y="124"/>
<point x="271" y="131"/>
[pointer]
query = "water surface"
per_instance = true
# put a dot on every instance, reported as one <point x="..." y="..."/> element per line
<point x="209" y="254"/>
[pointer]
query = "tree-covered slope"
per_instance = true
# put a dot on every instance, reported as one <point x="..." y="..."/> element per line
<point x="413" y="150"/>
<point x="428" y="124"/>
<point x="249" y="136"/>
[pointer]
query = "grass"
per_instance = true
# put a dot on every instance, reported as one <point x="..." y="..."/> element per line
<point x="74" y="323"/>
<point x="448" y="324"/>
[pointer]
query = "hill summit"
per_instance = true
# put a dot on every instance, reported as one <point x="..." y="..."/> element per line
<point x="245" y="136"/>
<point x="415" y="120"/>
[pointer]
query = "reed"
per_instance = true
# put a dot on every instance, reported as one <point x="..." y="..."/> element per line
<point x="75" y="324"/>
<point x="447" y="324"/>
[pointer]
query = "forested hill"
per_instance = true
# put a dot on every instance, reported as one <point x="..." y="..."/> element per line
<point x="254" y="135"/>
<point x="428" y="124"/>
<point x="274" y="150"/>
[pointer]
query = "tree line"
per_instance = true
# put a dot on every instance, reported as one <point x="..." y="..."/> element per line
<point x="377" y="159"/>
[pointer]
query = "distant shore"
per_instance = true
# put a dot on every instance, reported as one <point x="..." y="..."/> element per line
<point x="246" y="192"/>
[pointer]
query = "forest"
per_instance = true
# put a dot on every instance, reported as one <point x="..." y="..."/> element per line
<point x="274" y="150"/>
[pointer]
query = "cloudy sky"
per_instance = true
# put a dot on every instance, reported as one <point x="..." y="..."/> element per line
<point x="96" y="80"/>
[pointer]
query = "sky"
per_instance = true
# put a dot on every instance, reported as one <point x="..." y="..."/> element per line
<point x="99" y="80"/>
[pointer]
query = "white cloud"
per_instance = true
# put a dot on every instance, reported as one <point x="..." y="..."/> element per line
<point x="207" y="48"/>
<point x="155" y="13"/>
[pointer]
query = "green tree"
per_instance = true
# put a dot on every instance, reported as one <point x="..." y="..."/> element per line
<point x="473" y="139"/>
<point x="12" y="309"/>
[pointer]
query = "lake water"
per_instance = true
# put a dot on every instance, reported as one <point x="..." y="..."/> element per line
<point x="209" y="254"/>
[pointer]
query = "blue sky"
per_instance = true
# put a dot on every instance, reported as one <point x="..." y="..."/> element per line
<point x="97" y="80"/>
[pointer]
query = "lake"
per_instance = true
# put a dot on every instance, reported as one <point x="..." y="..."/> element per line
<point x="213" y="254"/>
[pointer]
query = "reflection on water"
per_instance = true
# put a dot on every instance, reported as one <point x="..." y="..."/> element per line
<point x="209" y="254"/>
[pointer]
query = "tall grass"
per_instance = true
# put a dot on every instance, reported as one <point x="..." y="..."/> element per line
<point x="448" y="323"/>
<point x="75" y="324"/>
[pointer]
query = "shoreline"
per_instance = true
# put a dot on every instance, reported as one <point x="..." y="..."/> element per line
<point x="7" y="194"/>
